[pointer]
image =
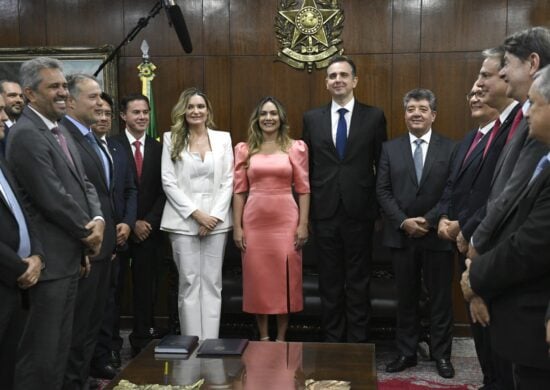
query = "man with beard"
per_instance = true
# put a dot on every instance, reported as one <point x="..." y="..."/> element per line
<point x="14" y="103"/>
<point x="48" y="167"/>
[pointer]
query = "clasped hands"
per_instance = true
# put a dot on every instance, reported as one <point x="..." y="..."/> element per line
<point x="478" y="308"/>
<point x="415" y="227"/>
<point x="206" y="222"/>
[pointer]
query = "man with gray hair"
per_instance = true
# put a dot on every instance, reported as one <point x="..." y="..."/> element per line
<point x="514" y="275"/>
<point x="48" y="167"/>
<point x="412" y="174"/>
<point x="83" y="106"/>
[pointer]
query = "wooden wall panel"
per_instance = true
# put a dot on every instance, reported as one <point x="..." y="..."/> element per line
<point x="252" y="31"/>
<point x="9" y="28"/>
<point x="523" y="14"/>
<point x="462" y="25"/>
<point x="215" y="27"/>
<point x="217" y="86"/>
<point x="367" y="26"/>
<point x="108" y="28"/>
<point x="450" y="76"/>
<point x="32" y="24"/>
<point x="405" y="76"/>
<point x="406" y="25"/>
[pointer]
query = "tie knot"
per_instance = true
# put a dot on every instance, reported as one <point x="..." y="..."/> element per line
<point x="137" y="143"/>
<point x="55" y="130"/>
<point x="342" y="111"/>
<point x="418" y="141"/>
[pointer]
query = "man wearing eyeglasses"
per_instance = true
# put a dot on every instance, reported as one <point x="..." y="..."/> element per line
<point x="106" y="360"/>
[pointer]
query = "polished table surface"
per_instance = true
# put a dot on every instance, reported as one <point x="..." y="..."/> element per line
<point x="263" y="366"/>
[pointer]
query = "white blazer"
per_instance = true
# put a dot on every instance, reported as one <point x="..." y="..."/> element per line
<point x="179" y="205"/>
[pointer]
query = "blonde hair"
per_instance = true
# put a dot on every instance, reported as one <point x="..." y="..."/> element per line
<point x="180" y="128"/>
<point x="255" y="134"/>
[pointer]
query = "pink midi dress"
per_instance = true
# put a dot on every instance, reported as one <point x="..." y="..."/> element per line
<point x="272" y="267"/>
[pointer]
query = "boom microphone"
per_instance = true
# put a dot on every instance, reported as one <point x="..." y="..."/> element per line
<point x="176" y="20"/>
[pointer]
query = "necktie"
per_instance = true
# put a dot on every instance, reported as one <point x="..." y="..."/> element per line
<point x="418" y="160"/>
<point x="492" y="136"/>
<point x="515" y="124"/>
<point x="102" y="157"/>
<point x="138" y="158"/>
<point x="341" y="133"/>
<point x="473" y="145"/>
<point x="543" y="163"/>
<point x="24" y="249"/>
<point x="63" y="143"/>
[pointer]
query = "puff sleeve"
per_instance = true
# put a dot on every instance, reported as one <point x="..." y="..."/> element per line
<point x="240" y="183"/>
<point x="298" y="155"/>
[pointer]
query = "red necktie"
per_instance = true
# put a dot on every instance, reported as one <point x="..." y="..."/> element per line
<point x="517" y="119"/>
<point x="138" y="158"/>
<point x="494" y="132"/>
<point x="63" y="143"/>
<point x="473" y="145"/>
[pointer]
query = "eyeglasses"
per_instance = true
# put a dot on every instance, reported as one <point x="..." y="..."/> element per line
<point x="107" y="114"/>
<point x="478" y="94"/>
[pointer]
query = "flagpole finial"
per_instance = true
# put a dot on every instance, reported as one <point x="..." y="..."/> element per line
<point x="144" y="50"/>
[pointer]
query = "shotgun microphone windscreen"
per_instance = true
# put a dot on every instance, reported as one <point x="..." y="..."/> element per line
<point x="176" y="19"/>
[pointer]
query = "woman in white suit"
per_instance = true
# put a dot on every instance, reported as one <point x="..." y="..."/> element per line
<point x="197" y="177"/>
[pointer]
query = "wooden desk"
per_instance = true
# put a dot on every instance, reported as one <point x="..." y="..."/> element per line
<point x="263" y="365"/>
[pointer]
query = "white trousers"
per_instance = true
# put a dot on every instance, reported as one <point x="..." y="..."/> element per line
<point x="199" y="262"/>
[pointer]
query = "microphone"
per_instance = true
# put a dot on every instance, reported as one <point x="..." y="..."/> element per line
<point x="176" y="20"/>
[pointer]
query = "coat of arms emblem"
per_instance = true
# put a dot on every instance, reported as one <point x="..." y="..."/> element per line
<point x="308" y="34"/>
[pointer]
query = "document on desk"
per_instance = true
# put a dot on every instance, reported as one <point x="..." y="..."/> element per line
<point x="222" y="347"/>
<point x="176" y="344"/>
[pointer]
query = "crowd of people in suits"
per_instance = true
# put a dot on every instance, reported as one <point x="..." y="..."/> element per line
<point x="80" y="209"/>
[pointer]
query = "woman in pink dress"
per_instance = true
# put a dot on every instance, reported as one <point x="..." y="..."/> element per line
<point x="270" y="228"/>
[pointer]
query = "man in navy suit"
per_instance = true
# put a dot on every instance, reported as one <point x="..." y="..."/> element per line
<point x="412" y="175"/>
<point x="82" y="112"/>
<point x="513" y="277"/>
<point x="20" y="263"/>
<point x="344" y="140"/>
<point x="144" y="246"/>
<point x="14" y="103"/>
<point x="125" y="207"/>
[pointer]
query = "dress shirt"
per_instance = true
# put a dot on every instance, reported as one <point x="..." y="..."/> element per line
<point x="9" y="123"/>
<point x="424" y="145"/>
<point x="335" y="116"/>
<point x="504" y="114"/>
<point x="132" y="139"/>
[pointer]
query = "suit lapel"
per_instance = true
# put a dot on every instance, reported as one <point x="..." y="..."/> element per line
<point x="326" y="132"/>
<point x="84" y="144"/>
<point x="476" y="153"/>
<point x="522" y="128"/>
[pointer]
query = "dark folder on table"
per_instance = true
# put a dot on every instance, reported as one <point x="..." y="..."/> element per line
<point x="221" y="347"/>
<point x="176" y="344"/>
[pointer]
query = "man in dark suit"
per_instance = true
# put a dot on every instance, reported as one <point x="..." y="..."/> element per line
<point x="20" y="263"/>
<point x="82" y="112"/>
<point x="125" y="207"/>
<point x="47" y="165"/>
<point x="525" y="53"/>
<point x="463" y="204"/>
<point x="344" y="140"/>
<point x="514" y="275"/>
<point x="145" y="242"/>
<point x="13" y="100"/>
<point x="412" y="174"/>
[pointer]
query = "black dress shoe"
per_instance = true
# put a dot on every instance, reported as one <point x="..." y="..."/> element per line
<point x="401" y="363"/>
<point x="105" y="372"/>
<point x="114" y="360"/>
<point x="445" y="368"/>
